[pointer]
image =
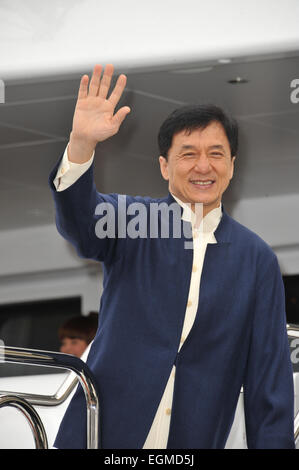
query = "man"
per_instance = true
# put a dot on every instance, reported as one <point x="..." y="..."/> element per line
<point x="181" y="329"/>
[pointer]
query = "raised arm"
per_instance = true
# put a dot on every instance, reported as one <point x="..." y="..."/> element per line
<point x="94" y="118"/>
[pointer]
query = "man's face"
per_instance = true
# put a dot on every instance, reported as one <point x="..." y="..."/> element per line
<point x="199" y="166"/>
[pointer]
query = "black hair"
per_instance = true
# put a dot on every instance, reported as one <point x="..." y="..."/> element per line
<point x="194" y="117"/>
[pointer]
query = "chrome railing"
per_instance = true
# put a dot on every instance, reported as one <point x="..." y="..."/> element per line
<point x="79" y="371"/>
<point x="35" y="423"/>
<point x="293" y="330"/>
<point x="63" y="392"/>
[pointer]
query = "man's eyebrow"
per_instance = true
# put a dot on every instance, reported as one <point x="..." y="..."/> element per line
<point x="220" y="147"/>
<point x="188" y="147"/>
<point x="193" y="147"/>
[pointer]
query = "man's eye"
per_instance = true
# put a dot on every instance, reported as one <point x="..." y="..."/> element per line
<point x="217" y="154"/>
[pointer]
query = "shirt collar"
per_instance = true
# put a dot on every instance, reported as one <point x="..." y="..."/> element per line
<point x="210" y="221"/>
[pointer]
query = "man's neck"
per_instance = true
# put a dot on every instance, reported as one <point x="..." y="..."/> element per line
<point x="197" y="211"/>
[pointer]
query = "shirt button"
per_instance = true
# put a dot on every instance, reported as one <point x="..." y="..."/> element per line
<point x="194" y="269"/>
<point x="182" y="339"/>
<point x="168" y="411"/>
<point x="195" y="234"/>
<point x="189" y="303"/>
<point x="62" y="171"/>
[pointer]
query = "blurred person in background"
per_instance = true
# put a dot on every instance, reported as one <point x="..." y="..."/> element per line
<point x="77" y="333"/>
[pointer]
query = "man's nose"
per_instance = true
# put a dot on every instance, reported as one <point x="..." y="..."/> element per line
<point x="202" y="164"/>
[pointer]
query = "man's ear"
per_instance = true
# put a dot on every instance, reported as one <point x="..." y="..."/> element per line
<point x="164" y="167"/>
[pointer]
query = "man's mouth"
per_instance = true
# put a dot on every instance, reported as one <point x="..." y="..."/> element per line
<point x="203" y="184"/>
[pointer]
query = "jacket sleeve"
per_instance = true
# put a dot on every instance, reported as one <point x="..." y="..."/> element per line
<point x="268" y="384"/>
<point x="77" y="216"/>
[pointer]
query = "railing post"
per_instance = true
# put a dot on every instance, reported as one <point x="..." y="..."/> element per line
<point x="35" y="423"/>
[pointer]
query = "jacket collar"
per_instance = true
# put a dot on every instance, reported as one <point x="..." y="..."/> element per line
<point x="224" y="228"/>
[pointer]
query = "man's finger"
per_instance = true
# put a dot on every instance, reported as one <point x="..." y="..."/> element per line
<point x="119" y="117"/>
<point x="82" y="93"/>
<point x="95" y="80"/>
<point x="106" y="80"/>
<point x="118" y="90"/>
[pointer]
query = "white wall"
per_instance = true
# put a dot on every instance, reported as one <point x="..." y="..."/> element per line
<point x="37" y="263"/>
<point x="275" y="219"/>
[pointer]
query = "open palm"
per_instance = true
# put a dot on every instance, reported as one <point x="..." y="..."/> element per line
<point x="95" y="119"/>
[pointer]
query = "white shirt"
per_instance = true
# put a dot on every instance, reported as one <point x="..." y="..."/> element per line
<point x="68" y="172"/>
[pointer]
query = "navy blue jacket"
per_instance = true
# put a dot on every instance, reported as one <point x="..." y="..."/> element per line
<point x="238" y="337"/>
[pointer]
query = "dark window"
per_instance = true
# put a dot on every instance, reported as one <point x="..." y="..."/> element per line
<point x="291" y="285"/>
<point x="34" y="325"/>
